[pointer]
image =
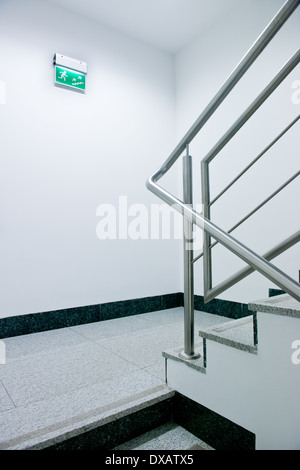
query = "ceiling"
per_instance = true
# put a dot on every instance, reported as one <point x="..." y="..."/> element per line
<point x="166" y="24"/>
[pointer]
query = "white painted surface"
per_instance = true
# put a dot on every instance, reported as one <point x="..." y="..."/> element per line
<point x="2" y="92"/>
<point x="166" y="24"/>
<point x="63" y="154"/>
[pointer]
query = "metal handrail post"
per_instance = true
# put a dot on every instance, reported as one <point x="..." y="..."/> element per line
<point x="191" y="217"/>
<point x="188" y="352"/>
<point x="207" y="265"/>
<point x="260" y="264"/>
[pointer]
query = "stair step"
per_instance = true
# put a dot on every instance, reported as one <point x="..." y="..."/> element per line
<point x="238" y="333"/>
<point x="169" y="436"/>
<point x="280" y="305"/>
<point x="111" y="412"/>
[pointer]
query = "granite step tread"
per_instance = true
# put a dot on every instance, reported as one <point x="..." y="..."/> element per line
<point x="238" y="334"/>
<point x="50" y="422"/>
<point x="169" y="436"/>
<point x="282" y="304"/>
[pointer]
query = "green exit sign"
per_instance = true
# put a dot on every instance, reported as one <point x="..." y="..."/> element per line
<point x="69" y="78"/>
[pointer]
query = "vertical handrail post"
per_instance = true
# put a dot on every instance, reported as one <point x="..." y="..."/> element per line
<point x="188" y="352"/>
<point x="207" y="267"/>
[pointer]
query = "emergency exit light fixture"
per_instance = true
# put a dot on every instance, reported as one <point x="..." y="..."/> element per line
<point x="70" y="73"/>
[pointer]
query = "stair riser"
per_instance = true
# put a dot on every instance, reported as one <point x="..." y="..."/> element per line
<point x="112" y="434"/>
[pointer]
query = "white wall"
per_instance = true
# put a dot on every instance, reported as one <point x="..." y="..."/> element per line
<point x="63" y="154"/>
<point x="201" y="69"/>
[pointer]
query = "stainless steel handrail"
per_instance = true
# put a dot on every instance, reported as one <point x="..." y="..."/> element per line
<point x="257" y="262"/>
<point x="237" y="277"/>
<point x="263" y="152"/>
<point x="255" y="105"/>
<point x="254" y="261"/>
<point x="255" y="50"/>
<point x="281" y="75"/>
<point x="259" y="206"/>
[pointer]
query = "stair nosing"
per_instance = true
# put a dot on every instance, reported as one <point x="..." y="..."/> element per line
<point x="215" y="332"/>
<point x="48" y="437"/>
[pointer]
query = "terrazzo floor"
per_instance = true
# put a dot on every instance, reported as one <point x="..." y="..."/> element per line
<point x="53" y="382"/>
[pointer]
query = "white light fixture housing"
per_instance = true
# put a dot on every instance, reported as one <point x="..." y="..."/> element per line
<point x="74" y="64"/>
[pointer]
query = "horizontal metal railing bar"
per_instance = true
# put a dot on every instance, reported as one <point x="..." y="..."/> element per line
<point x="255" y="50"/>
<point x="278" y="190"/>
<point x="250" y="257"/>
<point x="255" y="160"/>
<point x="254" y="106"/>
<point x="260" y="264"/>
<point x="253" y="211"/>
<point x="235" y="278"/>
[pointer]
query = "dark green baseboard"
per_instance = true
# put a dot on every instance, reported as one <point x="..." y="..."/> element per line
<point x="212" y="428"/>
<point x="274" y="292"/>
<point x="224" y="308"/>
<point x="44" y="321"/>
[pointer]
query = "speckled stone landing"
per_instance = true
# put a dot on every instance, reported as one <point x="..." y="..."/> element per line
<point x="65" y="384"/>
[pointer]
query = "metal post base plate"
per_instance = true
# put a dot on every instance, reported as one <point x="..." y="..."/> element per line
<point x="188" y="357"/>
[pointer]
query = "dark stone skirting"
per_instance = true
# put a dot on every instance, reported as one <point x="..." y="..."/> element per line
<point x="44" y="321"/>
<point x="274" y="292"/>
<point x="224" y="308"/>
<point x="212" y="428"/>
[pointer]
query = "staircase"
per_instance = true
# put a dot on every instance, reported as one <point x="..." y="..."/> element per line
<point x="243" y="373"/>
<point x="93" y="386"/>
<point x="237" y="385"/>
<point x="241" y="393"/>
<point x="191" y="218"/>
<point x="248" y="373"/>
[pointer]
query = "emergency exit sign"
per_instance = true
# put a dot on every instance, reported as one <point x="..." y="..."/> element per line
<point x="69" y="78"/>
